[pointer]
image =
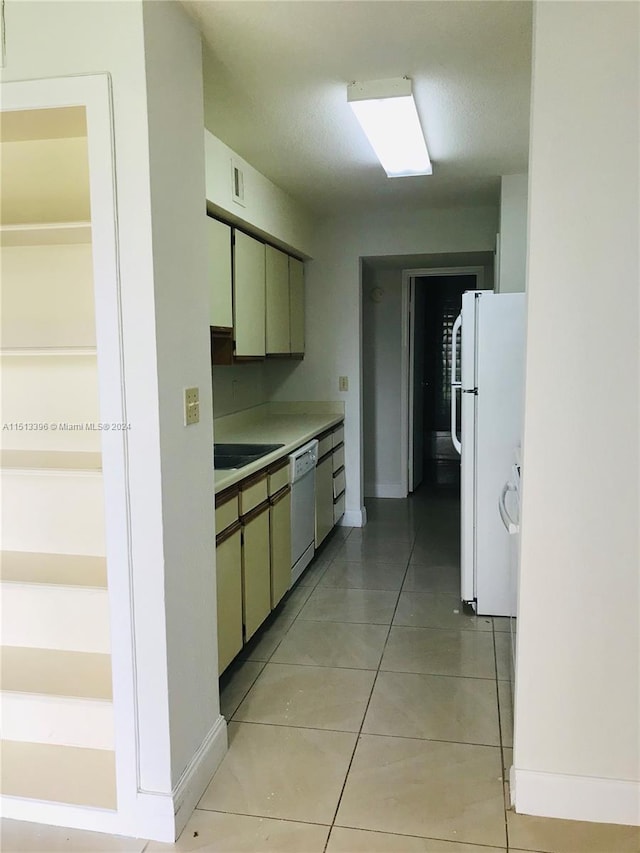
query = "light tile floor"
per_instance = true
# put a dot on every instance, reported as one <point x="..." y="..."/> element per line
<point x="370" y="715"/>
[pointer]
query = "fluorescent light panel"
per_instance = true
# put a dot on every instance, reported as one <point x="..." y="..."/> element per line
<point x="387" y="113"/>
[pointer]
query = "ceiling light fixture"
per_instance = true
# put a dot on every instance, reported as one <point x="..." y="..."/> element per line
<point x="387" y="113"/>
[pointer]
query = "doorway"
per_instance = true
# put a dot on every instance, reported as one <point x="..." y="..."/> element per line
<point x="440" y="304"/>
<point x="433" y="301"/>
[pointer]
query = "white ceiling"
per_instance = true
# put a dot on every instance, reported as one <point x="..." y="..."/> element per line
<point x="275" y="92"/>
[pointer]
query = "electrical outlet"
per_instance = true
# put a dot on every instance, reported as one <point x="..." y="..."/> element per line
<point x="191" y="406"/>
<point x="343" y="383"/>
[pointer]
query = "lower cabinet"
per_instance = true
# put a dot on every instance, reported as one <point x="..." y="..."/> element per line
<point x="253" y="541"/>
<point x="229" y="594"/>
<point x="280" y="542"/>
<point x="256" y="569"/>
<point x="324" y="498"/>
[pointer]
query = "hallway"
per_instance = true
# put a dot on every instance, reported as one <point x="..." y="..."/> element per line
<point x="370" y="715"/>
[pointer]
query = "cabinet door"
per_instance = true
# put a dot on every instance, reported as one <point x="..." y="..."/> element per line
<point x="277" y="302"/>
<point x="324" y="499"/>
<point x="280" y="523"/>
<point x="296" y="305"/>
<point x="229" y="593"/>
<point x="219" y="272"/>
<point x="256" y="574"/>
<point x="249" y="295"/>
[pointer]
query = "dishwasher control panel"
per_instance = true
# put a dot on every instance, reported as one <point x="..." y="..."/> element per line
<point x="303" y="460"/>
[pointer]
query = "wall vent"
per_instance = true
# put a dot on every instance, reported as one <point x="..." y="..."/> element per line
<point x="237" y="183"/>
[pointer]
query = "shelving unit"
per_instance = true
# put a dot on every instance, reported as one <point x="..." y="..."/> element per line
<point x="56" y="690"/>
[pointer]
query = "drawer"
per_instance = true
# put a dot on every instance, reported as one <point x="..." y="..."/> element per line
<point x="253" y="491"/>
<point x="338" y="436"/>
<point x="278" y="479"/>
<point x="338" y="459"/>
<point x="226" y="514"/>
<point x="325" y="443"/>
<point x="339" y="483"/>
<point x="338" y="509"/>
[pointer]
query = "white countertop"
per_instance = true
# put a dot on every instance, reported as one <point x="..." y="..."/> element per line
<point x="269" y="424"/>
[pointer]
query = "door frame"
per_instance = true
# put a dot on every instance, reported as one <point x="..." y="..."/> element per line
<point x="407" y="358"/>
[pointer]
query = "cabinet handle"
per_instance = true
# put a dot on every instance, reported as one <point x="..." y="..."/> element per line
<point x="228" y="532"/>
<point x="279" y="495"/>
<point x="255" y="512"/>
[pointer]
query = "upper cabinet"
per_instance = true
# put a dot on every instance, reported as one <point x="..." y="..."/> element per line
<point x="249" y="296"/>
<point x="220" y="282"/>
<point x="277" y="294"/>
<point x="296" y="306"/>
<point x="257" y="297"/>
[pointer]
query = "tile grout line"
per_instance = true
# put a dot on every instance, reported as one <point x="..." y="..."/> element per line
<point x="359" y="734"/>
<point x="264" y="817"/>
<point x="368" y="734"/>
<point x="502" y="764"/>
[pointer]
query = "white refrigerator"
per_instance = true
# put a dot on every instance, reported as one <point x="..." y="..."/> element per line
<point x="487" y="375"/>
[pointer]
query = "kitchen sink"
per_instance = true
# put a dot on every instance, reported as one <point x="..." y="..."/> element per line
<point x="228" y="456"/>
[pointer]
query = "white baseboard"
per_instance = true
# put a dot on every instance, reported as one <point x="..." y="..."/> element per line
<point x="354" y="518"/>
<point x="385" y="490"/>
<point x="199" y="773"/>
<point x="587" y="798"/>
<point x="162" y="817"/>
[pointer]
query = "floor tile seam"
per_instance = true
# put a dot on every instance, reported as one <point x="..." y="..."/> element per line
<point x="343" y="622"/>
<point x="447" y="630"/>
<point x="366" y="588"/>
<point x="265" y="817"/>
<point x="502" y="764"/>
<point x="420" y="837"/>
<point x="366" y="711"/>
<point x="366" y="560"/>
<point x="277" y="646"/>
<point x="372" y="561"/>
<point x="430" y="739"/>
<point x="326" y="666"/>
<point x="295" y="726"/>
<point x="467" y="630"/>
<point x="443" y="675"/>
<point x="246" y="693"/>
<point x="423" y="672"/>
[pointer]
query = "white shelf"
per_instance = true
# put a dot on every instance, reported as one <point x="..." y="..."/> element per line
<point x="47" y="352"/>
<point x="45" y="234"/>
<point x="59" y="774"/>
<point x="51" y="460"/>
<point x="56" y="569"/>
<point x="53" y="672"/>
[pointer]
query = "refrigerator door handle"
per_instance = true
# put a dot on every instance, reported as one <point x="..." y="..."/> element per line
<point x="454" y="417"/>
<point x="456" y="384"/>
<point x="454" y="350"/>
<point x="510" y="525"/>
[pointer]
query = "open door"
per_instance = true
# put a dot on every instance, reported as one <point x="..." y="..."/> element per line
<point x="434" y="299"/>
<point x="417" y="303"/>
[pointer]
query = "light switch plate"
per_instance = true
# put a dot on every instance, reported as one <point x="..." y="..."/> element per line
<point x="191" y="406"/>
<point x="343" y="383"/>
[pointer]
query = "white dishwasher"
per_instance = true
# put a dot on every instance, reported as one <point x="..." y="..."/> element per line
<point x="302" y="467"/>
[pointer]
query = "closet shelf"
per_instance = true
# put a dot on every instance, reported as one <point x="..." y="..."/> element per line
<point x="53" y="569"/>
<point x="46" y="352"/>
<point x="54" y="672"/>
<point x="51" y="460"/>
<point x="45" y="233"/>
<point x="62" y="774"/>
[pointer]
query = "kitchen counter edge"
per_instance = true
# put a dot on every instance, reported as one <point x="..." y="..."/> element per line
<point x="275" y="430"/>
